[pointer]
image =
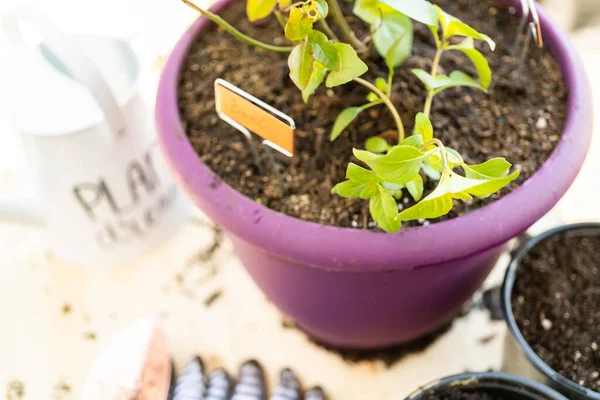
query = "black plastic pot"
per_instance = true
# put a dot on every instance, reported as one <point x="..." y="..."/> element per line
<point x="505" y="386"/>
<point x="519" y="358"/>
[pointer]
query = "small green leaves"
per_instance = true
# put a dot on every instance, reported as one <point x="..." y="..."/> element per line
<point x="376" y="144"/>
<point x="350" y="66"/>
<point x="439" y="83"/>
<point x="367" y="10"/>
<point x="300" y="63"/>
<point x="483" y="68"/>
<point x="299" y="25"/>
<point x="423" y="127"/>
<point x="452" y="26"/>
<point x="384" y="210"/>
<point x="323" y="50"/>
<point x="494" y="168"/>
<point x="259" y="9"/>
<point x="399" y="165"/>
<point x="419" y="10"/>
<point x="344" y="119"/>
<point x="392" y="35"/>
<point x="415" y="187"/>
<point x="316" y="78"/>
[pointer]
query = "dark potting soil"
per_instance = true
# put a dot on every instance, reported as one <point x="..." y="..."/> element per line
<point x="450" y="393"/>
<point x="521" y="118"/>
<point x="555" y="303"/>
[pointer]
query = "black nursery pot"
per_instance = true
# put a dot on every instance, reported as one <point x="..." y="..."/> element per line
<point x="496" y="384"/>
<point x="519" y="358"/>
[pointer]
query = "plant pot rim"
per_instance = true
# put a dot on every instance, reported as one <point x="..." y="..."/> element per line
<point x="507" y="288"/>
<point x="315" y="245"/>
<point x="491" y="377"/>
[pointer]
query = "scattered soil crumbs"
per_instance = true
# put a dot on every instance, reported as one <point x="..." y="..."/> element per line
<point x="66" y="309"/>
<point x="555" y="303"/>
<point x="388" y="356"/>
<point x="520" y="119"/>
<point x="210" y="300"/>
<point x="15" y="390"/>
<point x="89" y="336"/>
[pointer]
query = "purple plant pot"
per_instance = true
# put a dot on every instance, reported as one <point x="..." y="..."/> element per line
<point x="359" y="289"/>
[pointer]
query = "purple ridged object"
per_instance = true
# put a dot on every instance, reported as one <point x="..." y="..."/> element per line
<point x="360" y="289"/>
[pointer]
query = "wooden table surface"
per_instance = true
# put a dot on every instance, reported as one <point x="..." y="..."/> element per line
<point x="56" y="317"/>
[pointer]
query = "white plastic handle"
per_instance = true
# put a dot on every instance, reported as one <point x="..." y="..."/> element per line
<point x="73" y="58"/>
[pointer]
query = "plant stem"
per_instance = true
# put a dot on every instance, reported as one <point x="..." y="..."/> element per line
<point x="237" y="34"/>
<point x="280" y="18"/>
<point x="388" y="103"/>
<point x="325" y="26"/>
<point x="431" y="92"/>
<point x="441" y="146"/>
<point x="340" y="21"/>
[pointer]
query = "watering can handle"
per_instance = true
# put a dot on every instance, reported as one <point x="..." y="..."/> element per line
<point x="71" y="56"/>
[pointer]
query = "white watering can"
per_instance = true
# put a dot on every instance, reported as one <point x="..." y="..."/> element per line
<point x="101" y="187"/>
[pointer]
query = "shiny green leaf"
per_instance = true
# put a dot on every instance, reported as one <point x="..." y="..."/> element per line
<point x="415" y="187"/>
<point x="359" y="174"/>
<point x="323" y="50"/>
<point x="423" y="127"/>
<point x="458" y="79"/>
<point x="344" y="119"/>
<point x="300" y="63"/>
<point x="367" y="10"/>
<point x="350" y="66"/>
<point x="419" y="10"/>
<point x="298" y="26"/>
<point x="494" y="168"/>
<point x="349" y="189"/>
<point x="399" y="165"/>
<point x="381" y="84"/>
<point x="414" y="140"/>
<point x="316" y="78"/>
<point x="483" y="68"/>
<point x="430" y="82"/>
<point x="392" y="35"/>
<point x="372" y="97"/>
<point x="438" y="203"/>
<point x="259" y="9"/>
<point x="384" y="211"/>
<point x="376" y="144"/>
<point x="452" y="26"/>
<point x="481" y="188"/>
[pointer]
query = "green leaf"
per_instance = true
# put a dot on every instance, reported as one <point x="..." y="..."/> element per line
<point x="323" y="50"/>
<point x="381" y="84"/>
<point x="349" y="189"/>
<point x="458" y="79"/>
<point x="431" y="172"/>
<point x="376" y="144"/>
<point x="438" y="203"/>
<point x="343" y="120"/>
<point x="494" y="168"/>
<point x="372" y="97"/>
<point x="399" y="165"/>
<point x="414" y="141"/>
<point x="481" y="188"/>
<point x="453" y="157"/>
<point x="300" y="63"/>
<point x="365" y="156"/>
<point x="316" y="78"/>
<point x="359" y="174"/>
<point x="429" y="81"/>
<point x="350" y="66"/>
<point x="392" y="35"/>
<point x="423" y="127"/>
<point x="452" y="26"/>
<point x="419" y="10"/>
<point x="299" y="25"/>
<point x="481" y="64"/>
<point x="384" y="211"/>
<point x="367" y="10"/>
<point x="322" y="8"/>
<point x="259" y="9"/>
<point x="415" y="187"/>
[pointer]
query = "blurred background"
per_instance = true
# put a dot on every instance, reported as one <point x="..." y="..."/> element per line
<point x="56" y="317"/>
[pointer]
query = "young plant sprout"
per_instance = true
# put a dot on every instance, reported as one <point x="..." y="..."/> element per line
<point x="319" y="56"/>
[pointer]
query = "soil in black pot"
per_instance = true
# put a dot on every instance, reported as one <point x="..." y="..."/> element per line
<point x="521" y="119"/>
<point x="556" y="301"/>
<point x="450" y="393"/>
